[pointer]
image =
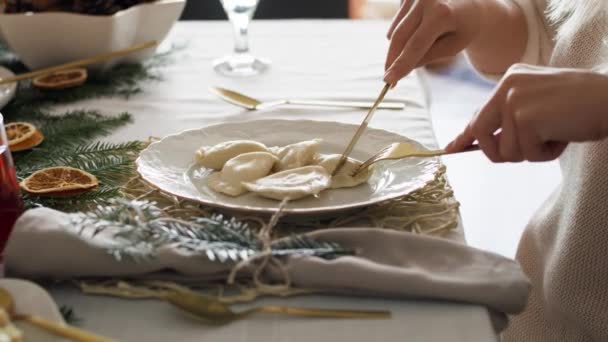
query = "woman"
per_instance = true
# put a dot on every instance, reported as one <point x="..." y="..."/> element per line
<point x="553" y="104"/>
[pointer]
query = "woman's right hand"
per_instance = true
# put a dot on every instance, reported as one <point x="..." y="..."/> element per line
<point x="426" y="30"/>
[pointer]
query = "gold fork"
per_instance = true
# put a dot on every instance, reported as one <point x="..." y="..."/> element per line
<point x="402" y="150"/>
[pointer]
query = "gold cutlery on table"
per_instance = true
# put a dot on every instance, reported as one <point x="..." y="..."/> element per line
<point x="63" y="330"/>
<point x="216" y="310"/>
<point x="250" y="103"/>
<point x="361" y="129"/>
<point x="79" y="63"/>
<point x="212" y="310"/>
<point x="405" y="150"/>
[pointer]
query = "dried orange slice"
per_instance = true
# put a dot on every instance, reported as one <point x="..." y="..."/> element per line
<point x="32" y="142"/>
<point x="59" y="181"/>
<point x="23" y="136"/>
<point x="61" y="79"/>
<point x="18" y="132"/>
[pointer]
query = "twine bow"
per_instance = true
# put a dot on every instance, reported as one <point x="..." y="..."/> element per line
<point x="266" y="257"/>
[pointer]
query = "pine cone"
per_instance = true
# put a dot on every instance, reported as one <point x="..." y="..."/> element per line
<point x="94" y="7"/>
<point x="20" y="6"/>
<point x="103" y="7"/>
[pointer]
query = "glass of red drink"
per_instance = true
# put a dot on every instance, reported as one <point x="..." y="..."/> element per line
<point x="10" y="194"/>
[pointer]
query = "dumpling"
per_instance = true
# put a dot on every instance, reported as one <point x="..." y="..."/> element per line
<point x="293" y="184"/>
<point x="344" y="178"/>
<point x="297" y="155"/>
<point x="246" y="167"/>
<point x="214" y="157"/>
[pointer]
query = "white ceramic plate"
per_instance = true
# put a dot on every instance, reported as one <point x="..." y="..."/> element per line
<point x="32" y="299"/>
<point x="7" y="91"/>
<point x="169" y="165"/>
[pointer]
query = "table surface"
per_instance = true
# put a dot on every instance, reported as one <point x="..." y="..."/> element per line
<point x="311" y="59"/>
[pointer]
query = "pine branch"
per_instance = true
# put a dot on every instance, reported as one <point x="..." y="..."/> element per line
<point x="86" y="201"/>
<point x="112" y="164"/>
<point x="105" y="148"/>
<point x="64" y="139"/>
<point x="140" y="229"/>
<point x="78" y="127"/>
<point x="304" y="245"/>
<point x="122" y="80"/>
<point x="69" y="138"/>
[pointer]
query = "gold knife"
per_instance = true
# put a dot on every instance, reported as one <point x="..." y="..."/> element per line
<point x="361" y="129"/>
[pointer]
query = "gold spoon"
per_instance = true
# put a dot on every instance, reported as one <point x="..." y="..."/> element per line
<point x="8" y="304"/>
<point x="250" y="103"/>
<point x="211" y="310"/>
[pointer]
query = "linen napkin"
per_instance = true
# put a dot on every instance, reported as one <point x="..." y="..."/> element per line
<point x="387" y="263"/>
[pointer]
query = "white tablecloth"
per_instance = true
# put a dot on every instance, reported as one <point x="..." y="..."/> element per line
<point x="311" y="59"/>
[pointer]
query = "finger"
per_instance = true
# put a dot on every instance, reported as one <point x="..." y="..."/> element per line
<point x="554" y="149"/>
<point x="532" y="146"/>
<point x="403" y="32"/>
<point x="484" y="127"/>
<point x="535" y="149"/>
<point x="489" y="145"/>
<point x="462" y="141"/>
<point x="445" y="46"/>
<point x="508" y="142"/>
<point x="413" y="51"/>
<point x="405" y="8"/>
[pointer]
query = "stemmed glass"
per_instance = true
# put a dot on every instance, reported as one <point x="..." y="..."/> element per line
<point x="10" y="195"/>
<point x="241" y="62"/>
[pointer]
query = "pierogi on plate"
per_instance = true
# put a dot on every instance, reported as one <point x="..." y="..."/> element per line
<point x="293" y="171"/>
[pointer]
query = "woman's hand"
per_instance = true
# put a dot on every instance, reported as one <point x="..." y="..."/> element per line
<point x="494" y="32"/>
<point x="536" y="111"/>
<point x="427" y="30"/>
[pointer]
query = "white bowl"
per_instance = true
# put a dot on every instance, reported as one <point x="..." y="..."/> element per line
<point x="50" y="38"/>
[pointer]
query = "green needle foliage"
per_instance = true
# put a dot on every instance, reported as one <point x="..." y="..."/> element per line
<point x="70" y="141"/>
<point x="72" y="138"/>
<point x="141" y="229"/>
<point x="123" y="80"/>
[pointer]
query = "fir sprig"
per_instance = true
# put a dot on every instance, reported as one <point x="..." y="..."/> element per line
<point x="71" y="130"/>
<point x="68" y="143"/>
<point x="122" y="80"/>
<point x="141" y="229"/>
<point x="85" y="201"/>
<point x="70" y="138"/>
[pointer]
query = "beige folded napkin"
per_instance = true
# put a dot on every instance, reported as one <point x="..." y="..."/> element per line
<point x="387" y="263"/>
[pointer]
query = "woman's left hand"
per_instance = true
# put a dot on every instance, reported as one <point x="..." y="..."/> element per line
<point x="536" y="111"/>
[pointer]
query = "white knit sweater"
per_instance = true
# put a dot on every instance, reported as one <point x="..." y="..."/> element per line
<point x="564" y="249"/>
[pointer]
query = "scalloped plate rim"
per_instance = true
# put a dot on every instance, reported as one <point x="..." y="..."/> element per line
<point x="429" y="176"/>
